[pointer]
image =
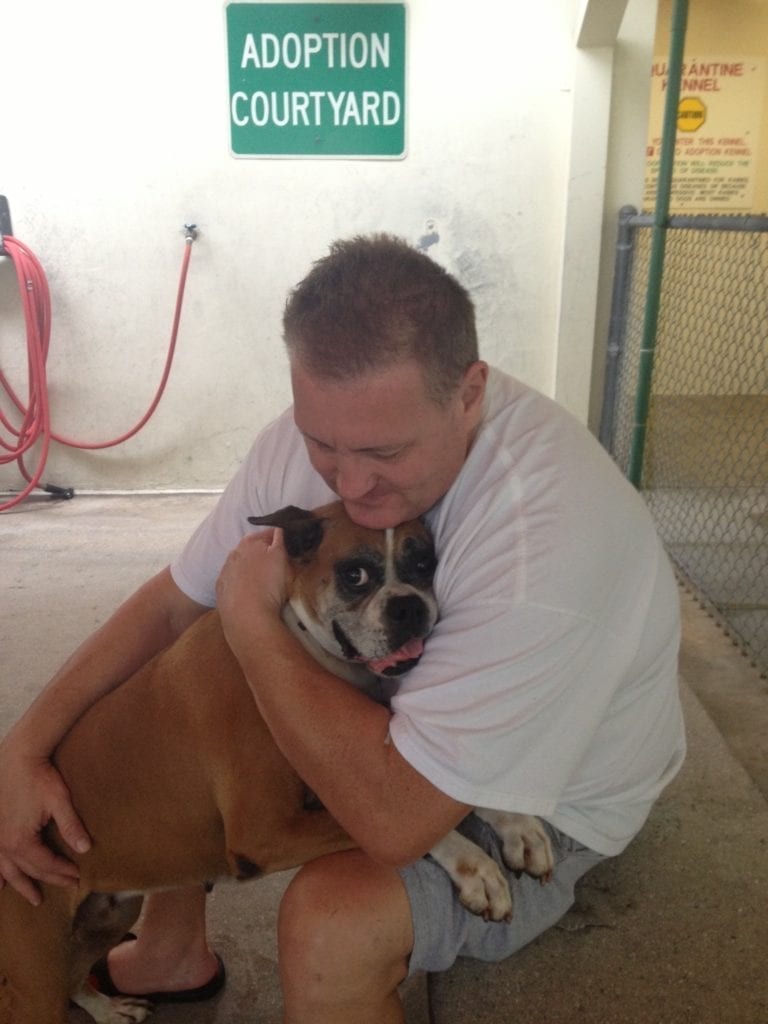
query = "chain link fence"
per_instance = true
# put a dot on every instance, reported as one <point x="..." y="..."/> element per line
<point x="705" y="464"/>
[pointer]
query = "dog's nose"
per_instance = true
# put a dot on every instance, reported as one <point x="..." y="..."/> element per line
<point x="409" y="613"/>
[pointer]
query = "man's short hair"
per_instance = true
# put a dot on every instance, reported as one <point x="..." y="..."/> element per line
<point x="375" y="301"/>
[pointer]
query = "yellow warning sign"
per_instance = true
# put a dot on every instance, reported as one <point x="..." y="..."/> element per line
<point x="691" y="114"/>
<point x="718" y="147"/>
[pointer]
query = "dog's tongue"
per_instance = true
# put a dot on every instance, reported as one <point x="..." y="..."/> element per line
<point x="413" y="649"/>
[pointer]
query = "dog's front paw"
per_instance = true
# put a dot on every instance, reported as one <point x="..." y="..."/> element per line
<point x="480" y="882"/>
<point x="483" y="889"/>
<point x="526" y="846"/>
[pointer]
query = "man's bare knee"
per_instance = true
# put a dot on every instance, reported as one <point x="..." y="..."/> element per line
<point x="344" y="934"/>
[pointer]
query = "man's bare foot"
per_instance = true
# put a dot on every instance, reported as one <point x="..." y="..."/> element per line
<point x="137" y="967"/>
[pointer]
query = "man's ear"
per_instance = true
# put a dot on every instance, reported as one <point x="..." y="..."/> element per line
<point x="302" y="530"/>
<point x="472" y="387"/>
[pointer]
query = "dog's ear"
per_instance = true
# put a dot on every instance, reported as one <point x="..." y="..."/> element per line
<point x="302" y="530"/>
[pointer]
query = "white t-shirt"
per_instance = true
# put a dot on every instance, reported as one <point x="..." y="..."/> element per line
<point x="549" y="685"/>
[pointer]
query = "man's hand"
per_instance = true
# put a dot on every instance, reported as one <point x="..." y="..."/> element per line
<point x="32" y="793"/>
<point x="252" y="586"/>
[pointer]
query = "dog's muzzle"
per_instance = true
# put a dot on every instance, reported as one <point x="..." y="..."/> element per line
<point x="407" y="621"/>
<point x="408" y="617"/>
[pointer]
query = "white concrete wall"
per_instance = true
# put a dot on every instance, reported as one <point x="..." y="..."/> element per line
<point x="115" y="133"/>
<point x="625" y="167"/>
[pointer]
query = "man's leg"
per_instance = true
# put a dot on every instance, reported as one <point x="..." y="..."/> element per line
<point x="171" y="952"/>
<point x="344" y="938"/>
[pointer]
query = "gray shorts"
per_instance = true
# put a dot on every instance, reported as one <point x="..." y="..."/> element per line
<point x="444" y="929"/>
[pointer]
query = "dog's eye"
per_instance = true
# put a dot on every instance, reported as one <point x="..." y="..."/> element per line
<point x="416" y="564"/>
<point x="359" y="575"/>
<point x="425" y="565"/>
<point x="355" y="576"/>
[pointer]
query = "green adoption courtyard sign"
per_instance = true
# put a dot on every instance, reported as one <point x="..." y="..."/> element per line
<point x="317" y="79"/>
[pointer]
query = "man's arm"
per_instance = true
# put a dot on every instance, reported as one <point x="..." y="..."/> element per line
<point x="31" y="791"/>
<point x="336" y="738"/>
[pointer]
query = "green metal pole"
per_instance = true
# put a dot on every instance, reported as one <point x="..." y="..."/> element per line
<point x="658" y="240"/>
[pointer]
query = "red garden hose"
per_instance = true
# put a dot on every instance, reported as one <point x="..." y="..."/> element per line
<point x="35" y="425"/>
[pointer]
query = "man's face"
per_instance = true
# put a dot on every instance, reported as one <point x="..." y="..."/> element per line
<point x="387" y="449"/>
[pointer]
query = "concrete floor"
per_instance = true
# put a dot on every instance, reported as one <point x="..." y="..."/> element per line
<point x="672" y="932"/>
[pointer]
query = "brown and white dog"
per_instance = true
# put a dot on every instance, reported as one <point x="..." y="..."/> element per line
<point x="179" y="782"/>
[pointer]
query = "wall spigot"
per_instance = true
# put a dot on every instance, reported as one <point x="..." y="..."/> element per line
<point x="6" y="227"/>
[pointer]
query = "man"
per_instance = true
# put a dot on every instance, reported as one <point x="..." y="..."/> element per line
<point x="548" y="687"/>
